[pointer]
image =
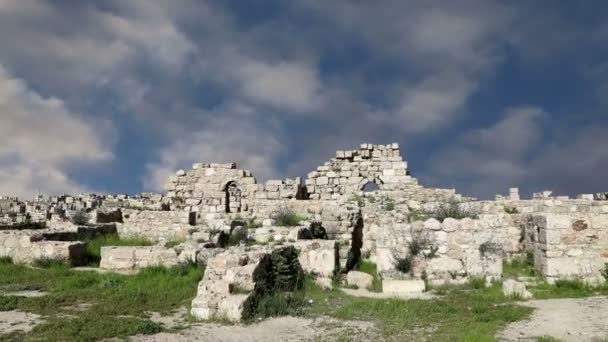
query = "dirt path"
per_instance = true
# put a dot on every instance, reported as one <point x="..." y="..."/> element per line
<point x="11" y="321"/>
<point x="271" y="330"/>
<point x="582" y="319"/>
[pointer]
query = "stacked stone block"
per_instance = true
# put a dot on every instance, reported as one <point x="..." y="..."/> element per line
<point x="570" y="245"/>
<point x="222" y="188"/>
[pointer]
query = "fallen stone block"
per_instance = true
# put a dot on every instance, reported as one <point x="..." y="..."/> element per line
<point x="402" y="287"/>
<point x="359" y="279"/>
<point x="513" y="288"/>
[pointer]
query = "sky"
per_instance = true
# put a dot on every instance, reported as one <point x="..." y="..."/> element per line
<point x="114" y="96"/>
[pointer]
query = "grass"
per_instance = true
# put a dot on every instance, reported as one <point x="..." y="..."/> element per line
<point x="175" y="242"/>
<point x="520" y="266"/>
<point x="286" y="217"/>
<point x="463" y="314"/>
<point x="94" y="246"/>
<point x="371" y="269"/>
<point x="119" y="303"/>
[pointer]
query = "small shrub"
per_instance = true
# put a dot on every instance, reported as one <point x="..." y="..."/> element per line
<point x="490" y="248"/>
<point x="252" y="223"/>
<point x="419" y="245"/>
<point x="80" y="218"/>
<point x="418" y="215"/>
<point x="604" y="272"/>
<point x="403" y="264"/>
<point x="6" y="260"/>
<point x="237" y="237"/>
<point x="511" y="210"/>
<point x="318" y="231"/>
<point x="286" y="217"/>
<point x="388" y="204"/>
<point x="453" y="210"/>
<point x="174" y="242"/>
<point x="359" y="199"/>
<point x="287" y="273"/>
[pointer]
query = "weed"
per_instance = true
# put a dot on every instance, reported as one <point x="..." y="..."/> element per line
<point x="6" y="260"/>
<point x="520" y="266"/>
<point x="388" y="203"/>
<point x="490" y="248"/>
<point x="403" y="264"/>
<point x="174" y="242"/>
<point x="286" y="217"/>
<point x="358" y="199"/>
<point x="604" y="272"/>
<point x="81" y="218"/>
<point x="511" y="210"/>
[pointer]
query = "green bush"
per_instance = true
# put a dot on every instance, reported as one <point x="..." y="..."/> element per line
<point x="286" y="217"/>
<point x="604" y="272"/>
<point x="81" y="218"/>
<point x="453" y="210"/>
<point x="6" y="260"/>
<point x="403" y="264"/>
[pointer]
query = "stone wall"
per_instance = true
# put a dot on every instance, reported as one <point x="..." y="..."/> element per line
<point x="453" y="250"/>
<point x="135" y="258"/>
<point x="571" y="245"/>
<point x="26" y="247"/>
<point x="211" y="188"/>
<point x="156" y="225"/>
<point x="350" y="171"/>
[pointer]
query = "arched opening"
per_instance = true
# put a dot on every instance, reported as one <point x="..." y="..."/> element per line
<point x="370" y="187"/>
<point x="233" y="198"/>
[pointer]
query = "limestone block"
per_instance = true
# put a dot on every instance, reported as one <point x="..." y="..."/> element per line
<point x="432" y="224"/>
<point x="318" y="257"/>
<point x="450" y="224"/>
<point x="513" y="288"/>
<point x="402" y="287"/>
<point x="322" y="181"/>
<point x="180" y="173"/>
<point x="232" y="307"/>
<point x="359" y="279"/>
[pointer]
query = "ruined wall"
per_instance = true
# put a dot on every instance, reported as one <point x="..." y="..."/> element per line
<point x="27" y="247"/>
<point x="222" y="188"/>
<point x="464" y="248"/>
<point x="155" y="225"/>
<point x="351" y="171"/>
<point x="573" y="245"/>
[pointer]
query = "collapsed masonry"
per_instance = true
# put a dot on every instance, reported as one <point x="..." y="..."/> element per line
<point x="207" y="206"/>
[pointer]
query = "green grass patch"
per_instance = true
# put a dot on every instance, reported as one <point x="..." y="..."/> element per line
<point x="94" y="246"/>
<point x="573" y="288"/>
<point x="519" y="266"/>
<point x="371" y="269"/>
<point x="118" y="302"/>
<point x="286" y="217"/>
<point x="464" y="313"/>
<point x="173" y="243"/>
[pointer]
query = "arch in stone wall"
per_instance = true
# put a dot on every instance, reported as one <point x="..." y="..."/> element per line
<point x="233" y="197"/>
<point x="367" y="185"/>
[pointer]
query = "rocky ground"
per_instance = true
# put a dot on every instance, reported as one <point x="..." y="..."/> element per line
<point x="580" y="319"/>
<point x="271" y="330"/>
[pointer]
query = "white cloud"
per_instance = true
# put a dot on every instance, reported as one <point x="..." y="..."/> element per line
<point x="224" y="139"/>
<point x="42" y="139"/>
<point x="286" y="85"/>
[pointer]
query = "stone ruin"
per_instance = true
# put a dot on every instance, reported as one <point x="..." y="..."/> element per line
<point x="205" y="208"/>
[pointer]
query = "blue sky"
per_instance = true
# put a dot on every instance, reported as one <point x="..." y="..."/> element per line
<point x="114" y="96"/>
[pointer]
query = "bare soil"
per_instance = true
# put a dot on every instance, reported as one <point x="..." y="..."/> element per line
<point x="571" y="319"/>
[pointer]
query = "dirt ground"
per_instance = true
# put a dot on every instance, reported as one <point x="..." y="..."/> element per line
<point x="272" y="330"/>
<point x="583" y="319"/>
<point x="11" y="321"/>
